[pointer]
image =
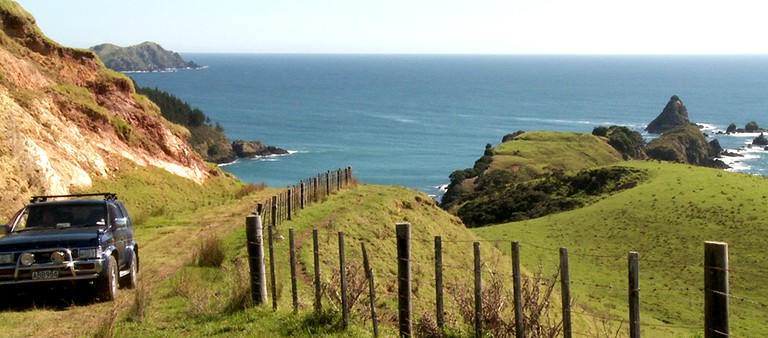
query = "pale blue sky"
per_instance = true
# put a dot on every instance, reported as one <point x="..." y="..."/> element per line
<point x="416" y="26"/>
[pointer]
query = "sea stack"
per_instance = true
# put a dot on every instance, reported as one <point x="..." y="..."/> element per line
<point x="674" y="115"/>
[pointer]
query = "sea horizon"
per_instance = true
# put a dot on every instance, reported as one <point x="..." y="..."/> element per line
<point x="412" y="119"/>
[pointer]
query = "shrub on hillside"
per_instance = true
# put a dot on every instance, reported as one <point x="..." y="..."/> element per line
<point x="626" y="141"/>
<point x="510" y="137"/>
<point x="498" y="199"/>
<point x="210" y="253"/>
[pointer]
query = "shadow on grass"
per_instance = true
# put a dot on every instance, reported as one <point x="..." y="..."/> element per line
<point x="56" y="299"/>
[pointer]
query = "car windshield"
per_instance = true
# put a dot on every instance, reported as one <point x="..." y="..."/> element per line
<point x="61" y="216"/>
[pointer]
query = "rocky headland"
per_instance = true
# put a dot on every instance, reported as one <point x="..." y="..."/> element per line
<point x="674" y="115"/>
<point x="144" y="57"/>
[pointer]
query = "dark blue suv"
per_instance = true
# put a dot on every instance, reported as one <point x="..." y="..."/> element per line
<point x="70" y="241"/>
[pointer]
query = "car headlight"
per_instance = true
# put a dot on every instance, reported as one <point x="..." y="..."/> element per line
<point x="58" y="257"/>
<point x="89" y="253"/>
<point x="27" y="258"/>
<point x="6" y="258"/>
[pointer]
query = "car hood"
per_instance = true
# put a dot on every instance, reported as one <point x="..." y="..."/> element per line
<point x="36" y="239"/>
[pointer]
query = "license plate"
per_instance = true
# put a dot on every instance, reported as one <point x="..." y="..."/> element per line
<point x="45" y="274"/>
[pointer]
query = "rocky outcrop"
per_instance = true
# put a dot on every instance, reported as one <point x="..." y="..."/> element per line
<point x="674" y="115"/>
<point x="66" y="119"/>
<point x="684" y="144"/>
<point x="715" y="149"/>
<point x="750" y="127"/>
<point x="760" y="140"/>
<point x="144" y="57"/>
<point x="248" y="149"/>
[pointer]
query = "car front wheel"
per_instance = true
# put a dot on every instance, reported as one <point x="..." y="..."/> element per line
<point x="106" y="285"/>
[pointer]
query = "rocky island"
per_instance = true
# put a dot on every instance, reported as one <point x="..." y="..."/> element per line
<point x="144" y="57"/>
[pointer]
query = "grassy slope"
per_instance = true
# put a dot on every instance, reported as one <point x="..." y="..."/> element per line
<point x="534" y="153"/>
<point x="365" y="214"/>
<point x="666" y="220"/>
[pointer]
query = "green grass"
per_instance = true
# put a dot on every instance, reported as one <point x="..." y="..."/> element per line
<point x="537" y="152"/>
<point x="666" y="219"/>
<point x="149" y="191"/>
<point x="366" y="214"/>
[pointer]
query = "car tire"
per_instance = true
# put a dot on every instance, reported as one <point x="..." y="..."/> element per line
<point x="130" y="280"/>
<point x="106" y="284"/>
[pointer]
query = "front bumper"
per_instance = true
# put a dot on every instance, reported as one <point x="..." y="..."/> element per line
<point x="42" y="272"/>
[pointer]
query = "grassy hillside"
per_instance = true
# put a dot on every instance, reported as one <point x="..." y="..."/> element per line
<point x="666" y="219"/>
<point x="533" y="153"/>
<point x="528" y="155"/>
<point x="366" y="214"/>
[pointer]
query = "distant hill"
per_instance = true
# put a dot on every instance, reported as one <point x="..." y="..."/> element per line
<point x="144" y="57"/>
<point x="526" y="156"/>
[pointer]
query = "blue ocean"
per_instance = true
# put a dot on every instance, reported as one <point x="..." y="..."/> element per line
<point x="411" y="120"/>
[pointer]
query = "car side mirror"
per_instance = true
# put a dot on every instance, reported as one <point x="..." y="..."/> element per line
<point x="121" y="222"/>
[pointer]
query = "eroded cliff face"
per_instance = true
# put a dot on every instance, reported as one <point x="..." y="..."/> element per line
<point x="65" y="119"/>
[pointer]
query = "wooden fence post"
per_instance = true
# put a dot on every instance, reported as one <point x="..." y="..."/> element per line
<point x="518" y="290"/>
<point x="403" y="231"/>
<point x="314" y="189"/>
<point x="274" y="212"/>
<point x="565" y="288"/>
<point x="439" y="310"/>
<point x="294" y="284"/>
<point x="272" y="264"/>
<point x="478" y="293"/>
<point x="290" y="204"/>
<point x="328" y="183"/>
<point x="716" y="288"/>
<point x="303" y="196"/>
<point x="634" y="294"/>
<point x="343" y="277"/>
<point x="316" y="254"/>
<point x="371" y="290"/>
<point x="255" y="235"/>
<point x="338" y="180"/>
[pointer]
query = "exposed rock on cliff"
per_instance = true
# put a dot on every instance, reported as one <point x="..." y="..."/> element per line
<point x="65" y="118"/>
<point x="674" y="115"/>
<point x="144" y="57"/>
<point x="255" y="148"/>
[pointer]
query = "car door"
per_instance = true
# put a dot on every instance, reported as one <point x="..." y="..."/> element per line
<point x="120" y="234"/>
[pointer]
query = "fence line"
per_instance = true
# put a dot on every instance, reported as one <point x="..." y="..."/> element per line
<point x="403" y="279"/>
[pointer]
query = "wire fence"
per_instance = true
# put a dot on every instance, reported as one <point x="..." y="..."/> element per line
<point x="367" y="289"/>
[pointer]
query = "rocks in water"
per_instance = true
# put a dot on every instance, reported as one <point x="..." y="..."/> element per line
<point x="249" y="149"/>
<point x="715" y="149"/>
<point x="674" y="115"/>
<point x="760" y="140"/>
<point x="750" y="127"/>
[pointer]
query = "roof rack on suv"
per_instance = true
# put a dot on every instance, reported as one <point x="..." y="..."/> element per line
<point x="109" y="196"/>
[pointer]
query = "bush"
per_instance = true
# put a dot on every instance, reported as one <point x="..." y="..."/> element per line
<point x="510" y="137"/>
<point x="210" y="253"/>
<point x="497" y="199"/>
<point x="250" y="188"/>
<point x="600" y="131"/>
